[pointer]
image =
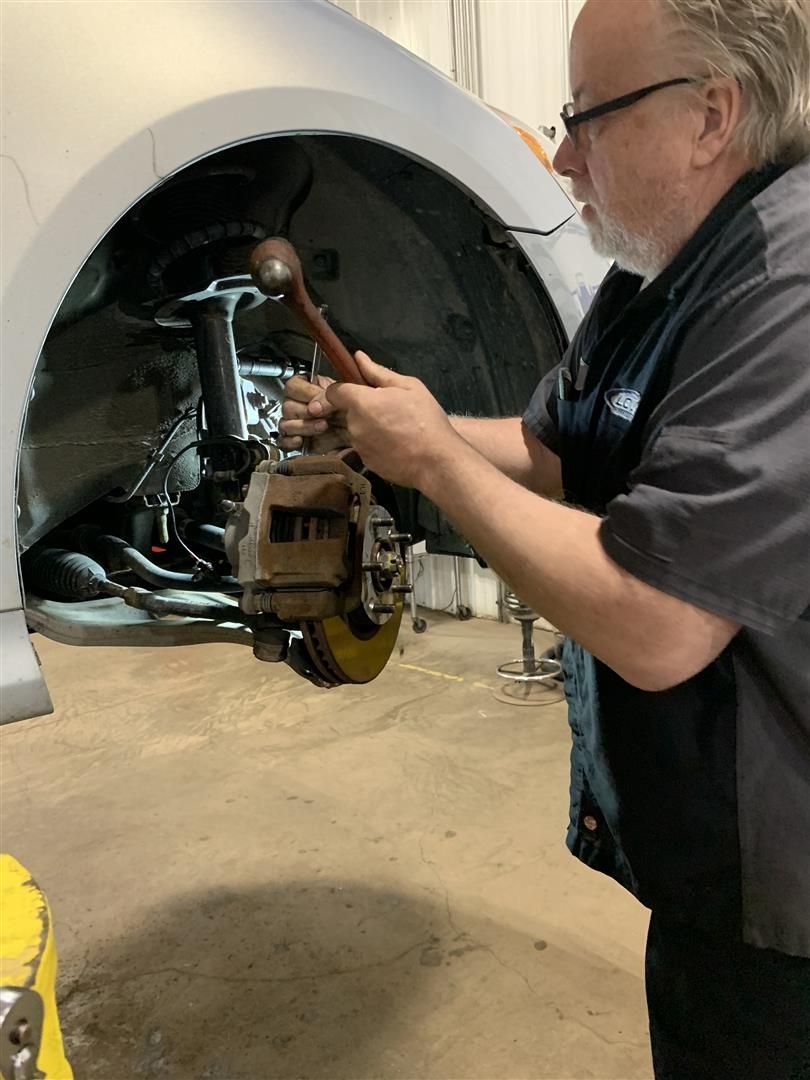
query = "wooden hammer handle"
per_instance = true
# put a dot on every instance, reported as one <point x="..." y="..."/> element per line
<point x="276" y="269"/>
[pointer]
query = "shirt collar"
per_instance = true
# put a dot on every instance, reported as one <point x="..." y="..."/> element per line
<point x="675" y="277"/>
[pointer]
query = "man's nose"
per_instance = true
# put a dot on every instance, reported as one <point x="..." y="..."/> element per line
<point x="568" y="161"/>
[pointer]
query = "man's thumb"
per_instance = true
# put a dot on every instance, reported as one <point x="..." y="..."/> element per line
<point x="376" y="374"/>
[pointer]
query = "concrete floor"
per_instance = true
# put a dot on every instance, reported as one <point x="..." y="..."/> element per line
<point x="252" y="878"/>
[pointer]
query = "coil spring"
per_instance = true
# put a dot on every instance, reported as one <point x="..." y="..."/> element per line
<point x="519" y="611"/>
<point x="219" y="232"/>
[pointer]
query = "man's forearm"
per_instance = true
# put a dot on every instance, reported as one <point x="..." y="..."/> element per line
<point x="511" y="448"/>
<point x="551" y="555"/>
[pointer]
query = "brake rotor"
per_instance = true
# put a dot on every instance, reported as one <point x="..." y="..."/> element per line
<point x="354" y="648"/>
<point x="351" y="648"/>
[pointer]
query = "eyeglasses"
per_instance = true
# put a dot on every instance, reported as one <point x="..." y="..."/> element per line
<point x="572" y="119"/>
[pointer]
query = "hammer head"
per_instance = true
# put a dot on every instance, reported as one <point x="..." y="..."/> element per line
<point x="276" y="268"/>
<point x="273" y="277"/>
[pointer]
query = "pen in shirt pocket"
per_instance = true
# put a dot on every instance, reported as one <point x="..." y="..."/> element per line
<point x="569" y="384"/>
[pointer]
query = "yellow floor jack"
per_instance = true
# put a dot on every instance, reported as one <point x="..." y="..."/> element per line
<point x="30" y="1038"/>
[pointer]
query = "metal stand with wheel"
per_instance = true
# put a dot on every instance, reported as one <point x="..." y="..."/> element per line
<point x="463" y="612"/>
<point x="532" y="680"/>
<point x="418" y="624"/>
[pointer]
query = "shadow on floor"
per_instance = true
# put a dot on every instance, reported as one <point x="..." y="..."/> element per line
<point x="314" y="980"/>
<point x="299" y="979"/>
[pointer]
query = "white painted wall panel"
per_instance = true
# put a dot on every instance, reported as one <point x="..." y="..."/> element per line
<point x="575" y="6"/>
<point x="522" y="58"/>
<point x="436" y="588"/>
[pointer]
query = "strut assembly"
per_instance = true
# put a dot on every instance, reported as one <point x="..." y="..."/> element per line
<point x="313" y="553"/>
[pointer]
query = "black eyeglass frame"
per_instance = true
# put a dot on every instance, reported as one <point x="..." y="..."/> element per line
<point x="572" y="120"/>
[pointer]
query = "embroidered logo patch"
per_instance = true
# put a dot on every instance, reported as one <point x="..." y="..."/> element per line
<point x="623" y="403"/>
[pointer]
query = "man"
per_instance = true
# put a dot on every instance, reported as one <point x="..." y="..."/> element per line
<point x="678" y="431"/>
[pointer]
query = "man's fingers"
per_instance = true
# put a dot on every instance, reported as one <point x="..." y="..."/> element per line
<point x="320" y="405"/>
<point x="302" y="426"/>
<point x="377" y="375"/>
<point x="341" y="396"/>
<point x="318" y="443"/>
<point x="300" y="389"/>
<point x="293" y="410"/>
<point x="303" y="399"/>
<point x="290" y="442"/>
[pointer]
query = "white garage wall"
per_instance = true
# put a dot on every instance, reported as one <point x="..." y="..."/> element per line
<point x="435" y="583"/>
<point x="513" y="54"/>
<point x="523" y="65"/>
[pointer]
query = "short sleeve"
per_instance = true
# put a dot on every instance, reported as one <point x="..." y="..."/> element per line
<point x="718" y="511"/>
<point x="540" y="416"/>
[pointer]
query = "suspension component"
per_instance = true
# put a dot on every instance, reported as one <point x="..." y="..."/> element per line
<point x="68" y="575"/>
<point x="210" y="312"/>
<point x="311" y="548"/>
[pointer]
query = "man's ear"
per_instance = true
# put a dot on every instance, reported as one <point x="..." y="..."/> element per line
<point x="721" y="108"/>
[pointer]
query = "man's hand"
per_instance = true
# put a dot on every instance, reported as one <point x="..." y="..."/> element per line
<point x="306" y="413"/>
<point x="394" y="423"/>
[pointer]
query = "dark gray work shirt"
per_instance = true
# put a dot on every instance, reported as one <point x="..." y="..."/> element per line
<point x="681" y="414"/>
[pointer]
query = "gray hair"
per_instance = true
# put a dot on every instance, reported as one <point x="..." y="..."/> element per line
<point x="765" y="46"/>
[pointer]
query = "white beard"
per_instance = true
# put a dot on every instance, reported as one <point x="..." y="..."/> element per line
<point x="639" y="253"/>
<point x="655" y="228"/>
